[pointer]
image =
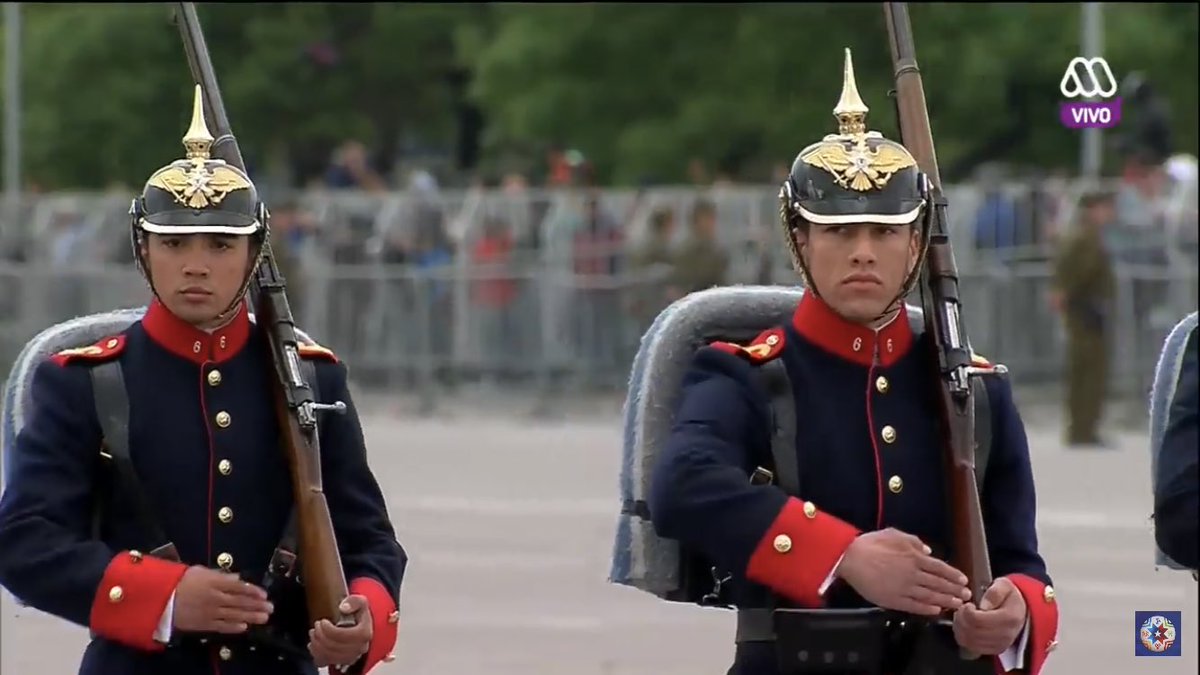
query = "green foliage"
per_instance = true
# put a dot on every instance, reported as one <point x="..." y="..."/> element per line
<point x="640" y="89"/>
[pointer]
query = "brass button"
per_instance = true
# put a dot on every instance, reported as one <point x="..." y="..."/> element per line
<point x="394" y="617"/>
<point x="214" y="378"/>
<point x="225" y="467"/>
<point x="116" y="594"/>
<point x="772" y="340"/>
<point x="226" y="653"/>
<point x="111" y="343"/>
<point x="136" y="556"/>
<point x="223" y="419"/>
<point x="783" y="543"/>
<point x="810" y="510"/>
<point x="889" y="434"/>
<point x="895" y="484"/>
<point x="225" y="561"/>
<point x="881" y="384"/>
<point x="1048" y="594"/>
<point x="225" y="514"/>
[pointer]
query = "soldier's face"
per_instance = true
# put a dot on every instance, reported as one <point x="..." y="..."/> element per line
<point x="197" y="276"/>
<point x="858" y="269"/>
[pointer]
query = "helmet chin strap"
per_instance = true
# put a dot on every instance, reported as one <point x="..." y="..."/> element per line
<point x="224" y="316"/>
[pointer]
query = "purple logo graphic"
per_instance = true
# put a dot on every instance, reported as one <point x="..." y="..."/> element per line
<point x="1089" y="114"/>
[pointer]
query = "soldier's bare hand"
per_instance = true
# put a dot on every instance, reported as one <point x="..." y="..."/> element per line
<point x="342" y="647"/>
<point x="894" y="570"/>
<point x="209" y="601"/>
<point x="996" y="624"/>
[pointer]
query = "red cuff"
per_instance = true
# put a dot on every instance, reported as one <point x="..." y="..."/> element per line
<point x="385" y="622"/>
<point x="132" y="597"/>
<point x="799" y="551"/>
<point x="1043" y="620"/>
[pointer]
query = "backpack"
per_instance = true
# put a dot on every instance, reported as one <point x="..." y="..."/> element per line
<point x="640" y="558"/>
<point x="1162" y="392"/>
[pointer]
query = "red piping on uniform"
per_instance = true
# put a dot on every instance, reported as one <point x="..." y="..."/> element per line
<point x="208" y="513"/>
<point x="208" y="434"/>
<point x="874" y="443"/>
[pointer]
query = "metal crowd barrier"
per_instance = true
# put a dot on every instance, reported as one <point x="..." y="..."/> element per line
<point x="537" y="325"/>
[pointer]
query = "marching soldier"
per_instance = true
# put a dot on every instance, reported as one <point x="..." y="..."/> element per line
<point x="174" y="579"/>
<point x="868" y="526"/>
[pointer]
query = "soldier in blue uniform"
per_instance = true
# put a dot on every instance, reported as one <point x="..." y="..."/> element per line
<point x="177" y="584"/>
<point x="868" y="526"/>
<point x="1177" y="490"/>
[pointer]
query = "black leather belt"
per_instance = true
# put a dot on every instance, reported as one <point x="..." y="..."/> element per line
<point x="754" y="625"/>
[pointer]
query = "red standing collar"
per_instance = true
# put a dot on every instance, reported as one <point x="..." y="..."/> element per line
<point x="186" y="341"/>
<point x="818" y="323"/>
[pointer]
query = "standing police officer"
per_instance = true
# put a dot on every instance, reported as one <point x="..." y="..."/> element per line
<point x="171" y="581"/>
<point x="868" y="525"/>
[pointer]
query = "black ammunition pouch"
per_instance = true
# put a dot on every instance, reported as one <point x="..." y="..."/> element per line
<point x="117" y="482"/>
<point x="864" y="642"/>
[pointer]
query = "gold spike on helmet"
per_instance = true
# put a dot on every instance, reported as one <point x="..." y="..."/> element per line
<point x="855" y="175"/>
<point x="198" y="194"/>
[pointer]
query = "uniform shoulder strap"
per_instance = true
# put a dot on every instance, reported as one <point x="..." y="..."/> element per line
<point x="983" y="428"/>
<point x="783" y="433"/>
<point x="112" y="412"/>
<point x="981" y="369"/>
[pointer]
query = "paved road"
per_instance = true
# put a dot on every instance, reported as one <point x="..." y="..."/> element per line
<point x="509" y="523"/>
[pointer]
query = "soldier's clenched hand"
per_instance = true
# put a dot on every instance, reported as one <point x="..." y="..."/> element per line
<point x="894" y="570"/>
<point x="210" y="601"/>
<point x="342" y="647"/>
<point x="995" y="625"/>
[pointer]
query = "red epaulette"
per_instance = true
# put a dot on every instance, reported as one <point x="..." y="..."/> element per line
<point x="105" y="349"/>
<point x="761" y="349"/>
<point x="315" y="351"/>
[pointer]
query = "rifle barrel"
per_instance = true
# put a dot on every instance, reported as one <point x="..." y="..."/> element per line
<point x="915" y="130"/>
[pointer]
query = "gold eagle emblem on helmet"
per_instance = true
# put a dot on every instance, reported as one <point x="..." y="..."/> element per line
<point x="859" y="167"/>
<point x="199" y="185"/>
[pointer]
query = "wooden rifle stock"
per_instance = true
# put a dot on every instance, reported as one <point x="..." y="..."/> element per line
<point x="319" y="559"/>
<point x="940" y="301"/>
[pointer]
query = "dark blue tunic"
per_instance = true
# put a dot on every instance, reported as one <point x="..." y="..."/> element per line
<point x="869" y="458"/>
<point x="204" y="441"/>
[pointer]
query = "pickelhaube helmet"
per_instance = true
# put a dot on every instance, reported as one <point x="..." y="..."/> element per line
<point x="198" y="194"/>
<point x="853" y="176"/>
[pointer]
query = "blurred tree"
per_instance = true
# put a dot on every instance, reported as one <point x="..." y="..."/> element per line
<point x="644" y="91"/>
<point x="640" y="89"/>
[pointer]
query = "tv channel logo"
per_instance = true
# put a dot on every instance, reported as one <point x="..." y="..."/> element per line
<point x="1089" y="78"/>
<point x="1158" y="633"/>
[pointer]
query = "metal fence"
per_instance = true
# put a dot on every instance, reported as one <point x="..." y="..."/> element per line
<point x="540" y="321"/>
<point x="548" y="329"/>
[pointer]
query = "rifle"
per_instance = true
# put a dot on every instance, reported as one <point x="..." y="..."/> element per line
<point x="940" y="301"/>
<point x="324" y="581"/>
